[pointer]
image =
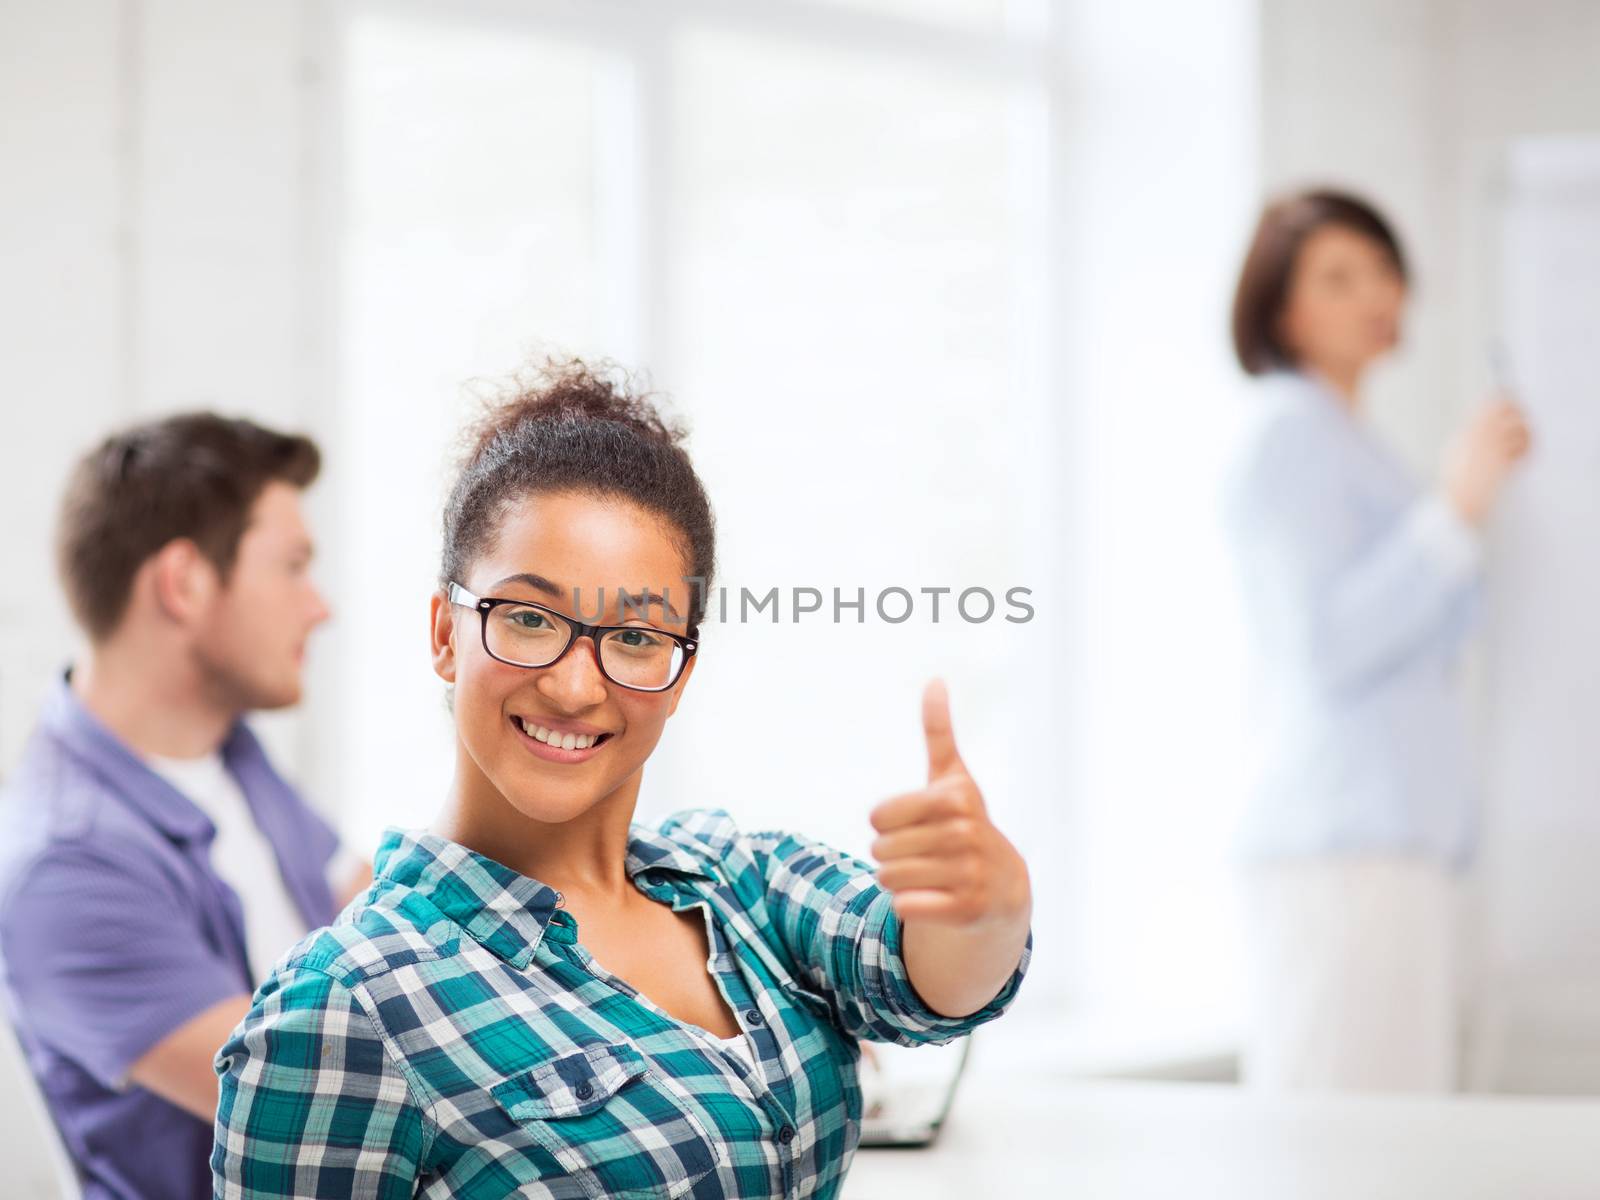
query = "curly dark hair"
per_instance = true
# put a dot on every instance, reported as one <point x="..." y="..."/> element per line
<point x="571" y="426"/>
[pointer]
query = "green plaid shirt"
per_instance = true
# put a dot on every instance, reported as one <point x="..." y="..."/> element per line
<point x="450" y="1036"/>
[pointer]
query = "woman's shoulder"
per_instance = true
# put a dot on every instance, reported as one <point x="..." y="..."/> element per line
<point x="1284" y="383"/>
<point x="710" y="840"/>
<point x="1289" y="433"/>
<point x="1285" y="403"/>
<point x="710" y="830"/>
<point x="368" y="939"/>
<point x="697" y="840"/>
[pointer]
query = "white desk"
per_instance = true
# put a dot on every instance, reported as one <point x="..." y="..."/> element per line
<point x="1116" y="1141"/>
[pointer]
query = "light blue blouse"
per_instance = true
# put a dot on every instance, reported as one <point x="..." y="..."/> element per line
<point x="1361" y="589"/>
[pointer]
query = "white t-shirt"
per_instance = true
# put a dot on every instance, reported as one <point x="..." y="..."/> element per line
<point x="242" y="856"/>
<point x="740" y="1045"/>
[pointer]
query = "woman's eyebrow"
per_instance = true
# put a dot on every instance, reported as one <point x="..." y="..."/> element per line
<point x="639" y="601"/>
<point x="537" y="582"/>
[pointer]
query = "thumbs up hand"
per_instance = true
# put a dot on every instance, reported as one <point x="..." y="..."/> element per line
<point x="939" y="854"/>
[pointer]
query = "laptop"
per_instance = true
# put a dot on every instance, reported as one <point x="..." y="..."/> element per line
<point x="907" y="1092"/>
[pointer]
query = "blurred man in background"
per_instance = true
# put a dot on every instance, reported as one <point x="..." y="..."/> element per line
<point x="153" y="864"/>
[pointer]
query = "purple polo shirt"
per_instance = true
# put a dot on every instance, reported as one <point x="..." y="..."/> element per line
<point x="115" y="931"/>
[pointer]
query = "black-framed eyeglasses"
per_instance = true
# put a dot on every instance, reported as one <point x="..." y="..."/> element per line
<point x="520" y="633"/>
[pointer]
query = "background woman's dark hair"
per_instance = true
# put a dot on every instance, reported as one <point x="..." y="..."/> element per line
<point x="569" y="426"/>
<point x="195" y="475"/>
<point x="1263" y="288"/>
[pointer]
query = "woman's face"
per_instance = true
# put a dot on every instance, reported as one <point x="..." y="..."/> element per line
<point x="603" y="548"/>
<point x="1344" y="301"/>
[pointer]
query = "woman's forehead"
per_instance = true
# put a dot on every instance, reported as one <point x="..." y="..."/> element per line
<point x="565" y="550"/>
<point x="1334" y="243"/>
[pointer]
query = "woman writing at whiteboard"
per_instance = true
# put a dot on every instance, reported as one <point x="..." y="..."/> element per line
<point x="1362" y="586"/>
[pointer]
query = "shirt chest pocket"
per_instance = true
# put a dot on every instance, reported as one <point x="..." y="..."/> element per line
<point x="611" y="1122"/>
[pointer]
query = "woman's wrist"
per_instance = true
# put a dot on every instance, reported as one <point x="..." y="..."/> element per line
<point x="959" y="970"/>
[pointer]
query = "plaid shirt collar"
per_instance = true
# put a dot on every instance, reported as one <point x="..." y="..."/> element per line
<point x="506" y="912"/>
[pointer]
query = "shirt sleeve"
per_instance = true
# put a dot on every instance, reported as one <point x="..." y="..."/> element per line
<point x="310" y="1102"/>
<point x="1358" y="607"/>
<point x="840" y="927"/>
<point x="105" y="957"/>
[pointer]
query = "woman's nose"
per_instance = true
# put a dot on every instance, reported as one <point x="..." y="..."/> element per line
<point x="575" y="680"/>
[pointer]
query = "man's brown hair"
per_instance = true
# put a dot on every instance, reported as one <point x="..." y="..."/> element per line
<point x="194" y="475"/>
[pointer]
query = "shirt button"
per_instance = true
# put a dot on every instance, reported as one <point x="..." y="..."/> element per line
<point x="786" y="1134"/>
<point x="585" y="1090"/>
<point x="753" y="1016"/>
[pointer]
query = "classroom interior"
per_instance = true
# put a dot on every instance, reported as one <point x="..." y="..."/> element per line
<point x="941" y="288"/>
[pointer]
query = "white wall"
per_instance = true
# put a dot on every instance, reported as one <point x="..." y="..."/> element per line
<point x="1160" y="175"/>
<point x="62" y="329"/>
<point x="159" y="254"/>
<point x="1353" y="95"/>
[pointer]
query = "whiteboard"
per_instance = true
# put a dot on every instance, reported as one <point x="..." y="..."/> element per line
<point x="1540" y="882"/>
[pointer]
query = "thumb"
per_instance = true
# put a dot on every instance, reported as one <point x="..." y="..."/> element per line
<point x="942" y="755"/>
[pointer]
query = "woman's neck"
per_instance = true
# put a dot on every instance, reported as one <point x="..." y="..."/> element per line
<point x="586" y="854"/>
<point x="1342" y="379"/>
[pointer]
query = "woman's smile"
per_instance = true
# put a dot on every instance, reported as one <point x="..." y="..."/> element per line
<point x="564" y="745"/>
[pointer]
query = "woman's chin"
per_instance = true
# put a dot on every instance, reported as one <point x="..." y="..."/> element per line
<point x="539" y="800"/>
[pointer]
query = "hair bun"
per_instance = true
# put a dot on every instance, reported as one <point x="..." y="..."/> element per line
<point x="569" y="425"/>
<point x="571" y="391"/>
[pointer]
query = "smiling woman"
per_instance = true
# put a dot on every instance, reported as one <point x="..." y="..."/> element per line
<point x="540" y="991"/>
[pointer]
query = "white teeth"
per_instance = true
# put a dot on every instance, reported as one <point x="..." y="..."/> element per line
<point x="565" y="741"/>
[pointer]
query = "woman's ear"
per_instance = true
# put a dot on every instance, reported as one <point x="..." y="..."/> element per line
<point x="443" y="631"/>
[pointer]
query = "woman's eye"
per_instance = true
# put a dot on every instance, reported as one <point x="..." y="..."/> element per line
<point x="638" y="638"/>
<point x="529" y="619"/>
